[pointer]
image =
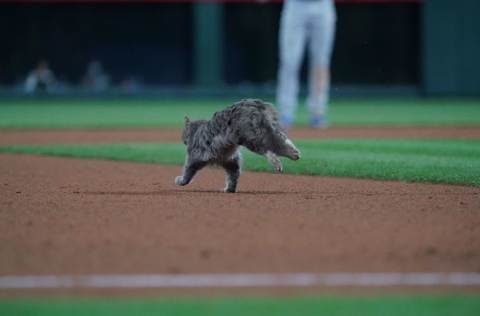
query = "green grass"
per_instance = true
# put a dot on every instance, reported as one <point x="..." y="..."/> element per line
<point x="287" y="306"/>
<point x="107" y="113"/>
<point x="435" y="161"/>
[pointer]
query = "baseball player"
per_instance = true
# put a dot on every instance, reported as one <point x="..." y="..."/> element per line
<point x="305" y="23"/>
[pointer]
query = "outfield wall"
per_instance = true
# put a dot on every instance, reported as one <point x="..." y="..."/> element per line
<point x="451" y="47"/>
<point x="415" y="46"/>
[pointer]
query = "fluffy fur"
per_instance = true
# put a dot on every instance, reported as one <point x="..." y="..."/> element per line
<point x="250" y="123"/>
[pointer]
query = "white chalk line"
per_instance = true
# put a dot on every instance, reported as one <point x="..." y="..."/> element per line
<point x="239" y="280"/>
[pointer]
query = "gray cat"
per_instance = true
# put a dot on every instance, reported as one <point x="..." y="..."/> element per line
<point x="250" y="123"/>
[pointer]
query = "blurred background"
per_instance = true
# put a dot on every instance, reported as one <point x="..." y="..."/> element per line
<point x="382" y="48"/>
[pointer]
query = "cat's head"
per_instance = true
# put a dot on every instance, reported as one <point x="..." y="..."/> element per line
<point x="189" y="129"/>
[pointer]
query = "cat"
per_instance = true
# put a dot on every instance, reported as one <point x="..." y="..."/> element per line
<point x="250" y="123"/>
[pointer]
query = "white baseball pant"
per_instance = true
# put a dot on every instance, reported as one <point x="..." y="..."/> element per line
<point x="305" y="22"/>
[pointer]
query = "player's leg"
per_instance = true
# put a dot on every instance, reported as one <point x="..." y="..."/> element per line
<point x="232" y="168"/>
<point x="292" y="42"/>
<point x="321" y="44"/>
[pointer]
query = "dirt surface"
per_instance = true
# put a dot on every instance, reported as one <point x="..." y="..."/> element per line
<point x="11" y="137"/>
<point x="72" y="216"/>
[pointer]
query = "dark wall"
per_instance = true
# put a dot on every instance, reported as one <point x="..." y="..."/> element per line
<point x="149" y="42"/>
<point x="451" y="47"/>
<point x="375" y="43"/>
<point x="250" y="44"/>
<point x="378" y="44"/>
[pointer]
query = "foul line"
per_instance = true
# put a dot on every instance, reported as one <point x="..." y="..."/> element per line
<point x="239" y="280"/>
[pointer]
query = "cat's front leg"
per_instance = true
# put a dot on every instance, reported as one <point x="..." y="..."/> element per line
<point x="232" y="168"/>
<point x="189" y="171"/>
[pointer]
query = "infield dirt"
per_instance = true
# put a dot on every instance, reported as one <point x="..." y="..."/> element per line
<point x="73" y="216"/>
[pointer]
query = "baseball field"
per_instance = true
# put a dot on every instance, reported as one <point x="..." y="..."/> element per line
<point x="380" y="216"/>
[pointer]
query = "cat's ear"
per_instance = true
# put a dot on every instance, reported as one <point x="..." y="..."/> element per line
<point x="187" y="120"/>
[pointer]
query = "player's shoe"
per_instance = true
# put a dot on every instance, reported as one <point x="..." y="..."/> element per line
<point x="286" y="122"/>
<point x="319" y="122"/>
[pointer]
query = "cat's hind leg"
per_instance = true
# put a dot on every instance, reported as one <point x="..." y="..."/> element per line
<point x="284" y="147"/>
<point x="291" y="151"/>
<point x="264" y="148"/>
<point x="274" y="161"/>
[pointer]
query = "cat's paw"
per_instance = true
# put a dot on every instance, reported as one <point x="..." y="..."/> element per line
<point x="229" y="190"/>
<point x="179" y="180"/>
<point x="278" y="167"/>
